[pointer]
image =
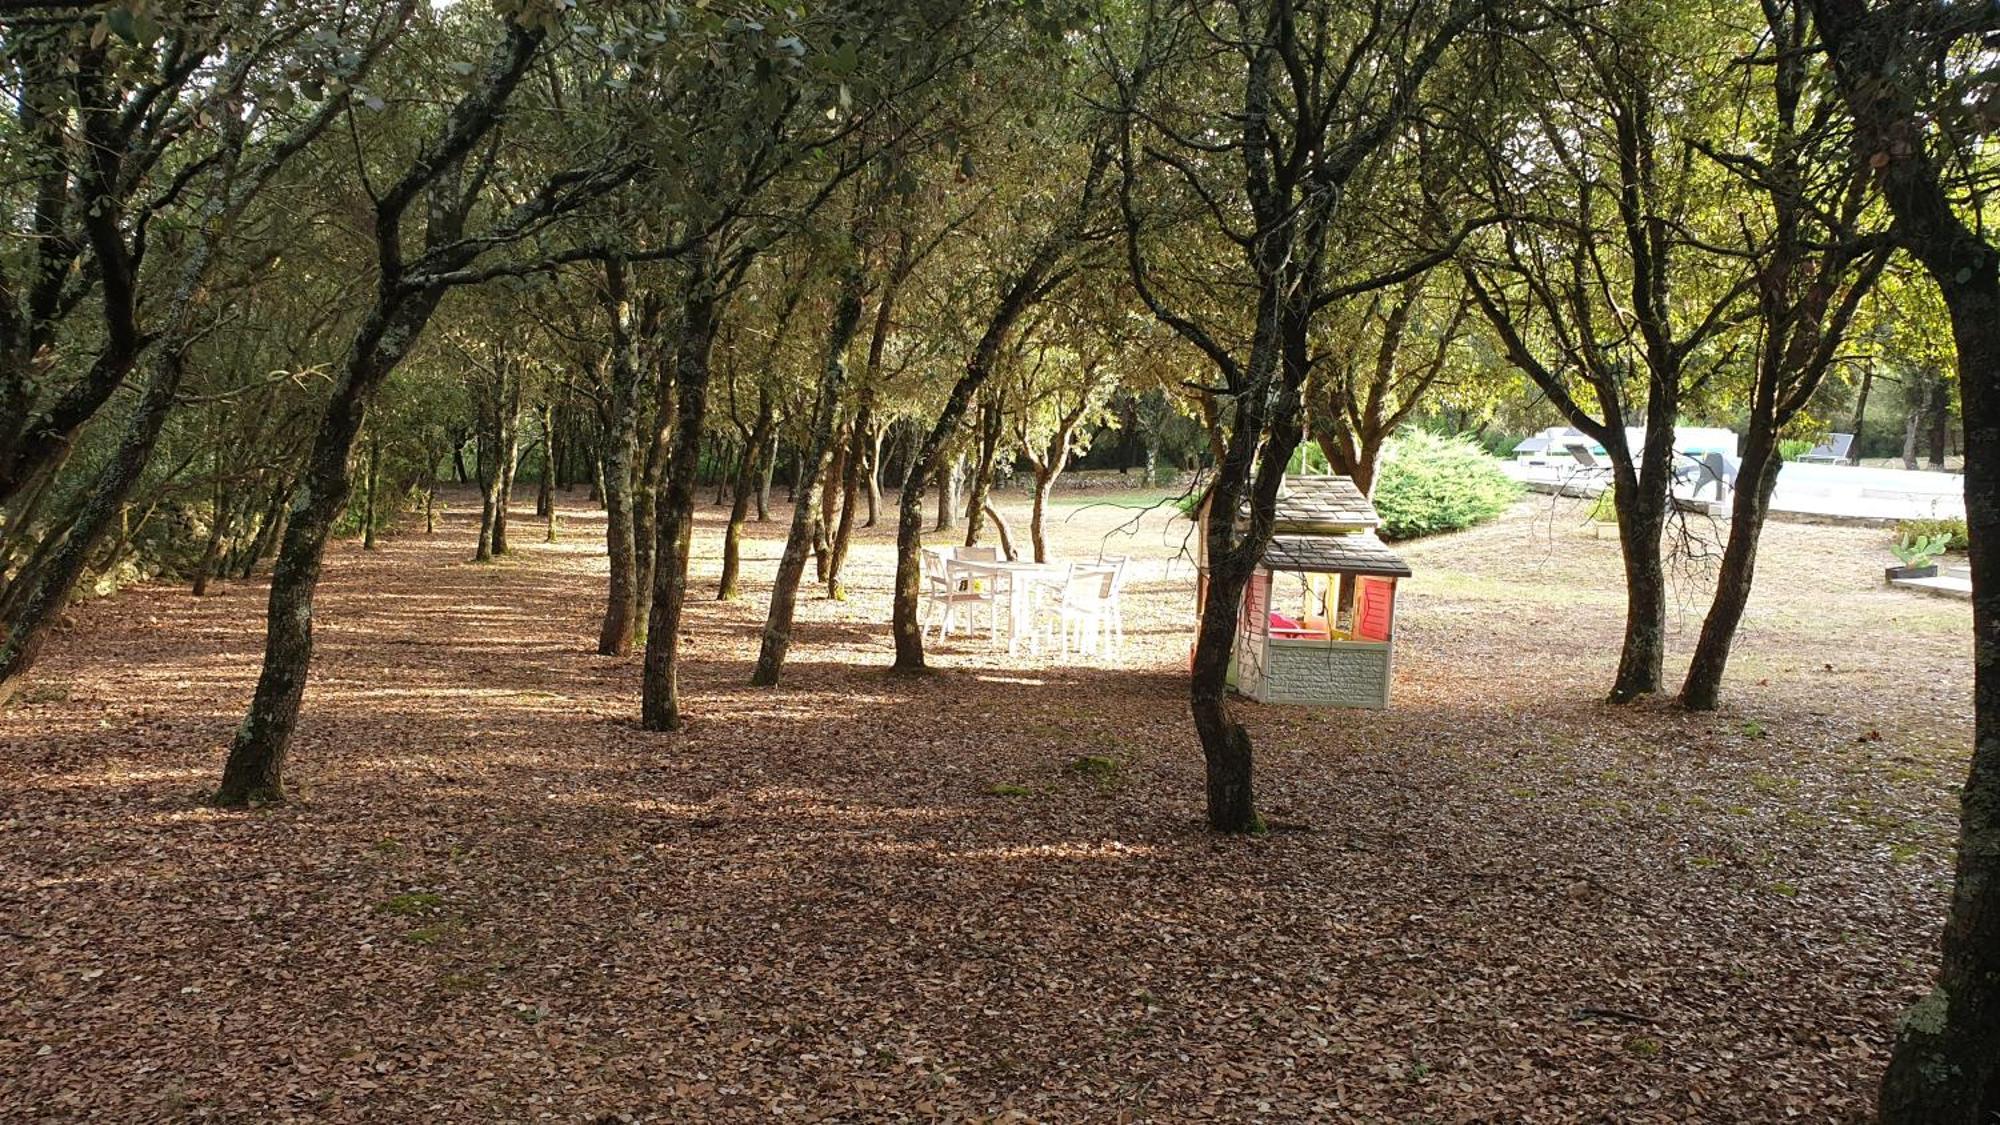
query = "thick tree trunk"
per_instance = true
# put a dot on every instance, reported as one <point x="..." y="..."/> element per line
<point x="701" y="310"/>
<point x="36" y="613"/>
<point x="1756" y="479"/>
<point x="947" y="506"/>
<point x="1945" y="1067"/>
<point x="777" y="640"/>
<point x="255" y="769"/>
<point x="1642" y="655"/>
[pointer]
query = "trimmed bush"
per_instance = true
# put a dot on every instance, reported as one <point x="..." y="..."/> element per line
<point x="1429" y="484"/>
<point x="1954" y="532"/>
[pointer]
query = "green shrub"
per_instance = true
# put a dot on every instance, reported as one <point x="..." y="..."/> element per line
<point x="1429" y="484"/>
<point x="1791" y="449"/>
<point x="1953" y="531"/>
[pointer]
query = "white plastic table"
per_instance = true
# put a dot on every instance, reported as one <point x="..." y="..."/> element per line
<point x="1016" y="582"/>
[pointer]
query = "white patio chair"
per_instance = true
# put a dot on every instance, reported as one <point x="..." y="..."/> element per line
<point x="1081" y="610"/>
<point x="945" y="592"/>
<point x="1123" y="565"/>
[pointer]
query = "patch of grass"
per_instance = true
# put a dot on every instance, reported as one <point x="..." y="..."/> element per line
<point x="1904" y="853"/>
<point x="1755" y="729"/>
<point x="388" y="846"/>
<point x="411" y="904"/>
<point x="1644" y="1046"/>
<point x="429" y="935"/>
<point x="1006" y="790"/>
<point x="1097" y="767"/>
<point x="1783" y="889"/>
<point x="1772" y="783"/>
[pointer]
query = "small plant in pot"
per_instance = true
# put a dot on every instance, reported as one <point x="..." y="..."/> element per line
<point x="1918" y="555"/>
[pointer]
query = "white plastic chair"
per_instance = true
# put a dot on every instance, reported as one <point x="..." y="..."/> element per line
<point x="945" y="591"/>
<point x="1082" y="609"/>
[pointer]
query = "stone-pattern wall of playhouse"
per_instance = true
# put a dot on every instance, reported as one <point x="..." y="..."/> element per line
<point x="1340" y="674"/>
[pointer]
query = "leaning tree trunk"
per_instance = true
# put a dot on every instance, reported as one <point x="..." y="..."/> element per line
<point x="1757" y="479"/>
<point x="44" y="601"/>
<point x="905" y="623"/>
<point x="777" y="640"/>
<point x="255" y="769"/>
<point x="510" y="457"/>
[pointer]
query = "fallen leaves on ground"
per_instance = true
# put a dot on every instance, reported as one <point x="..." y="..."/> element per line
<point x="869" y="897"/>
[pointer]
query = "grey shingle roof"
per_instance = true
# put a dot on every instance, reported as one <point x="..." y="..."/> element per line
<point x="1325" y="503"/>
<point x="1357" y="553"/>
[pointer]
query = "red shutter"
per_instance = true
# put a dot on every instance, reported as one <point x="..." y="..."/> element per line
<point x="1375" y="601"/>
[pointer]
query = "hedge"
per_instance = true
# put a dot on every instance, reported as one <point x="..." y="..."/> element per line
<point x="1429" y="484"/>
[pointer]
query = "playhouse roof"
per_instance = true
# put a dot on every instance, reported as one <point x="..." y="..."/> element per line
<point x="1323" y="505"/>
<point x="1359" y="553"/>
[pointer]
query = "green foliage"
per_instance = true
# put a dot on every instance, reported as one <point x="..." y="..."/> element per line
<point x="1430" y="484"/>
<point x="1916" y="551"/>
<point x="1791" y="449"/>
<point x="1954" y="532"/>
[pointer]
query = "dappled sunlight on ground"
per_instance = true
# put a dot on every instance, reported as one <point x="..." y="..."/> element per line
<point x="983" y="888"/>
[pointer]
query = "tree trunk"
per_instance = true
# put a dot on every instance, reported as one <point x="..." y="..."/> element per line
<point x="755" y="451"/>
<point x="615" y="471"/>
<point x="764" y="482"/>
<point x="646" y="502"/>
<point x="990" y="429"/>
<point x="210" y="565"/>
<point x="255" y="769"/>
<point x="947" y="506"/>
<point x="875" y="474"/>
<point x="1757" y="478"/>
<point x="1044" y="484"/>
<point x="37" y="611"/>
<point x="510" y="451"/>
<point x="1006" y="533"/>
<point x="1642" y="655"/>
<point x="370" y="513"/>
<point x="1945" y="1068"/>
<point x="701" y="310"/>
<point x="1940" y="418"/>
<point x="852" y="466"/>
<point x="547" y="499"/>
<point x="791" y="568"/>
<point x="1860" y="413"/>
<point x="1912" y="424"/>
